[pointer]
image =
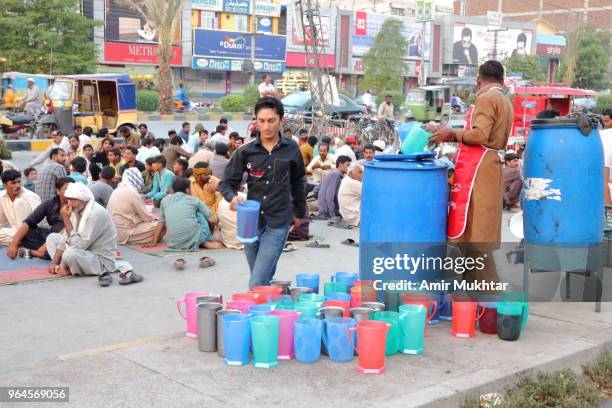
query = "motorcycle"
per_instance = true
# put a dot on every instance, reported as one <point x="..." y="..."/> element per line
<point x="20" y="126"/>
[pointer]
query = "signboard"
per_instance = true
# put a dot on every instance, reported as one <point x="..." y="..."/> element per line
<point x="301" y="60"/>
<point x="494" y="18"/>
<point x="235" y="45"/>
<point x="269" y="66"/>
<point x="295" y="35"/>
<point x="216" y="64"/>
<point x="264" y="25"/>
<point x="412" y="32"/>
<point x="237" y="6"/>
<point x="137" y="53"/>
<point x="267" y="8"/>
<point x="122" y="24"/>
<point x="424" y="10"/>
<point x="209" y="5"/>
<point x="473" y="44"/>
<point x="555" y="51"/>
<point x="361" y="21"/>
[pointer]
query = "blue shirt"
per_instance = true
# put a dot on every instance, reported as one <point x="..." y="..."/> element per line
<point x="78" y="177"/>
<point x="161" y="185"/>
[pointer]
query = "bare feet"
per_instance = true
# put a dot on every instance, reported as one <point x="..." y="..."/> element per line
<point x="212" y="245"/>
<point x="52" y="269"/>
<point x="37" y="253"/>
<point x="63" y="271"/>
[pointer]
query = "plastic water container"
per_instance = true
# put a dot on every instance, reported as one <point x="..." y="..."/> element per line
<point x="416" y="140"/>
<point x="248" y="221"/>
<point x="404" y="129"/>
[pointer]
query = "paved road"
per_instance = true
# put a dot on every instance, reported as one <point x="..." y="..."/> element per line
<point x="160" y="129"/>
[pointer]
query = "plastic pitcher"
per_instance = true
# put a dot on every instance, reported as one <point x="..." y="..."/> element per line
<point x="280" y="302"/>
<point x="334" y="287"/>
<point x="328" y="312"/>
<point x="220" y="314"/>
<point x="236" y="339"/>
<point x="207" y="325"/>
<point x="416" y="140"/>
<point x="190" y="314"/>
<point x="372" y="337"/>
<point x="286" y="331"/>
<point x="264" y="293"/>
<point x="297" y="291"/>
<point x="424" y="299"/>
<point x="392" y="345"/>
<point x="344" y="304"/>
<point x="338" y="296"/>
<point x="412" y="319"/>
<point x="464" y="316"/>
<point x="312" y="297"/>
<point x="259" y="310"/>
<point x="247" y="221"/>
<point x="488" y="322"/>
<point x="283" y="284"/>
<point x="376" y="306"/>
<point x="209" y="298"/>
<point x="511" y="319"/>
<point x="338" y="339"/>
<point x="264" y="331"/>
<point x="347" y="278"/>
<point x="446" y="308"/>
<point x="306" y="309"/>
<point x="308" y="280"/>
<point x="245" y="296"/>
<point x="240" y="305"/>
<point x="307" y="340"/>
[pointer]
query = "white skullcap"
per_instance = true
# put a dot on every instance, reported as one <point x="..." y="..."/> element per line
<point x="78" y="191"/>
<point x="30" y="79"/>
<point x="380" y="144"/>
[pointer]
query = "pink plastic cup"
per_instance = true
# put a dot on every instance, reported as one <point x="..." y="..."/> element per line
<point x="286" y="333"/>
<point x="190" y="314"/>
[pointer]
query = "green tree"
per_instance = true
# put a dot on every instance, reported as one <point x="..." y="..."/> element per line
<point x="591" y="62"/>
<point x="46" y="36"/>
<point x="528" y="65"/>
<point x="384" y="62"/>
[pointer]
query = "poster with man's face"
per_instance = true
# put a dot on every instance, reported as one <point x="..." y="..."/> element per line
<point x="474" y="44"/>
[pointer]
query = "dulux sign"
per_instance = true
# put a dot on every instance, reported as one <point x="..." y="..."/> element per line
<point x="230" y="44"/>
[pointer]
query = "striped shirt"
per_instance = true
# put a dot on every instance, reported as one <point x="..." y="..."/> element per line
<point x="50" y="172"/>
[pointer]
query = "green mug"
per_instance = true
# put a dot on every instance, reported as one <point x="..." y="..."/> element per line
<point x="392" y="345"/>
<point x="312" y="297"/>
<point x="264" y="335"/>
<point x="306" y="309"/>
<point x="412" y="319"/>
<point x="334" y="287"/>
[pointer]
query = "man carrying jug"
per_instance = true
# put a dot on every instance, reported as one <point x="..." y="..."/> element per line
<point x="276" y="180"/>
<point x="475" y="207"/>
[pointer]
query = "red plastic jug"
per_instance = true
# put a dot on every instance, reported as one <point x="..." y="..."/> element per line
<point x="488" y="322"/>
<point x="245" y="296"/>
<point x="263" y="293"/>
<point x="371" y="340"/>
<point x="344" y="304"/>
<point x="362" y="292"/>
<point x="465" y="316"/>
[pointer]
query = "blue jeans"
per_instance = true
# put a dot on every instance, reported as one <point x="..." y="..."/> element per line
<point x="263" y="254"/>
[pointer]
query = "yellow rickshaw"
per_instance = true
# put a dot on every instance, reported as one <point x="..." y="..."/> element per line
<point x="97" y="101"/>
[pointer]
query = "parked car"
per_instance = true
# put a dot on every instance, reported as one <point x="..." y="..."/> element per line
<point x="301" y="102"/>
<point x="370" y="109"/>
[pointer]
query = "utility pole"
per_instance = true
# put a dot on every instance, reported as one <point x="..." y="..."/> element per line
<point x="253" y="33"/>
<point x="422" y="78"/>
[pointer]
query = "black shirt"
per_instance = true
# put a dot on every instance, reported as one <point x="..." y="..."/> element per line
<point x="139" y="165"/>
<point x="50" y="210"/>
<point x="275" y="179"/>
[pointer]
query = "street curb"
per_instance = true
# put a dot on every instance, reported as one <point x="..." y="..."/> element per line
<point x="450" y="393"/>
<point x="189" y="117"/>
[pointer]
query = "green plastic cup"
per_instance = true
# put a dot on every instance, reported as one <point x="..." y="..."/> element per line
<point x="393" y="335"/>
<point x="312" y="297"/>
<point x="334" y="287"/>
<point x="306" y="309"/>
<point x="264" y="334"/>
<point x="412" y="328"/>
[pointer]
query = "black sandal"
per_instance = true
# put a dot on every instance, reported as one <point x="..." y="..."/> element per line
<point x="129" y="277"/>
<point x="350" y="242"/>
<point x="105" y="279"/>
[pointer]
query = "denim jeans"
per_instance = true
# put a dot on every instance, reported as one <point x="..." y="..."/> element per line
<point x="263" y="254"/>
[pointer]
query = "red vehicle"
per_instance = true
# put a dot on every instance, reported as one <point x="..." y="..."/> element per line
<point x="528" y="101"/>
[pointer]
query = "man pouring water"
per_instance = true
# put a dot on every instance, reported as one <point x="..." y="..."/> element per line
<point x="276" y="180"/>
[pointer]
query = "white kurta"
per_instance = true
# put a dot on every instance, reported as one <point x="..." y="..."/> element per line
<point x="349" y="200"/>
<point x="12" y="213"/>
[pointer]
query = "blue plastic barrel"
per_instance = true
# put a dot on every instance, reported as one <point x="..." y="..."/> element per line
<point x="248" y="221"/>
<point x="564" y="183"/>
<point x="404" y="209"/>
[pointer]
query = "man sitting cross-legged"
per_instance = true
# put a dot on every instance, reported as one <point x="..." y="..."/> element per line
<point x="16" y="204"/>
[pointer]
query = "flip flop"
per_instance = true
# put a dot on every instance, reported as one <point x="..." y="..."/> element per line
<point x="316" y="244"/>
<point x="350" y="242"/>
<point x="179" y="264"/>
<point x="206" y="262"/>
<point x="129" y="277"/>
<point x="289" y="247"/>
<point x="343" y="225"/>
<point x="105" y="279"/>
<point x="317" y="217"/>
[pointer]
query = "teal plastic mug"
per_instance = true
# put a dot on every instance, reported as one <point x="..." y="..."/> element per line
<point x="511" y="319"/>
<point x="412" y="320"/>
<point x="392" y="345"/>
<point x="306" y="309"/>
<point x="264" y="333"/>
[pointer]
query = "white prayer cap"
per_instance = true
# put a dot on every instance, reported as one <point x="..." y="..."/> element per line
<point x="380" y="144"/>
<point x="78" y="191"/>
<point x="30" y="79"/>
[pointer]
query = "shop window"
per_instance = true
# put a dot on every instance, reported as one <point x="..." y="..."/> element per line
<point x="241" y="22"/>
<point x="208" y="20"/>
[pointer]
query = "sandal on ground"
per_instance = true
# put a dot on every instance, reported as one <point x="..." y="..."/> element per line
<point x="206" y="262"/>
<point x="316" y="244"/>
<point x="105" y="279"/>
<point x="318" y="217"/>
<point x="343" y="225"/>
<point x="129" y="277"/>
<point x="289" y="247"/>
<point x="179" y="264"/>
<point x="350" y="242"/>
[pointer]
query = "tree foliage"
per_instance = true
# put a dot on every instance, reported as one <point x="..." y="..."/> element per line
<point x="384" y="62"/>
<point x="164" y="14"/>
<point x="591" y="62"/>
<point x="46" y="36"/>
<point x="528" y="65"/>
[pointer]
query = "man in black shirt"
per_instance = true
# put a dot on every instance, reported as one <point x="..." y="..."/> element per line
<point x="33" y="237"/>
<point x="276" y="180"/>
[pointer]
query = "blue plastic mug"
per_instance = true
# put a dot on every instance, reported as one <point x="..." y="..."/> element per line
<point x="445" y="308"/>
<point x="259" y="310"/>
<point x="337" y="338"/>
<point x="236" y="339"/>
<point x="308" y="280"/>
<point x="307" y="340"/>
<point x="347" y="278"/>
<point x="338" y="296"/>
<point x="248" y="221"/>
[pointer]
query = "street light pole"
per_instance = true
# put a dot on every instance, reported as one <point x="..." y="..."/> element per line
<point x="253" y="33"/>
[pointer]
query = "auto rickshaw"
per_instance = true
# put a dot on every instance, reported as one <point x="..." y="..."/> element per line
<point x="96" y="100"/>
<point x="19" y="81"/>
<point x="428" y="102"/>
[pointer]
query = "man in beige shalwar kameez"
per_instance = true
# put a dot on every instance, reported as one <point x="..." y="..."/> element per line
<point x="476" y="197"/>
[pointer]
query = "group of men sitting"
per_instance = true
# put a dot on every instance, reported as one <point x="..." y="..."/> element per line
<point x="87" y="196"/>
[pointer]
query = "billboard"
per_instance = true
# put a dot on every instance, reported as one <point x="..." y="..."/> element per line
<point x="137" y="53"/>
<point x="122" y="24"/>
<point x="215" y="64"/>
<point x="295" y="33"/>
<point x="237" y="45"/>
<point x="262" y="7"/>
<point x="473" y="44"/>
<point x="367" y="25"/>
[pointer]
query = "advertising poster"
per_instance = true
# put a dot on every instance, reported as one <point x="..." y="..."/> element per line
<point x="122" y="24"/>
<point x="236" y="45"/>
<point x="473" y="44"/>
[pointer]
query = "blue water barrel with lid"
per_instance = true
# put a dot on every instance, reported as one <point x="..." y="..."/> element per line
<point x="404" y="208"/>
<point x="564" y="184"/>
